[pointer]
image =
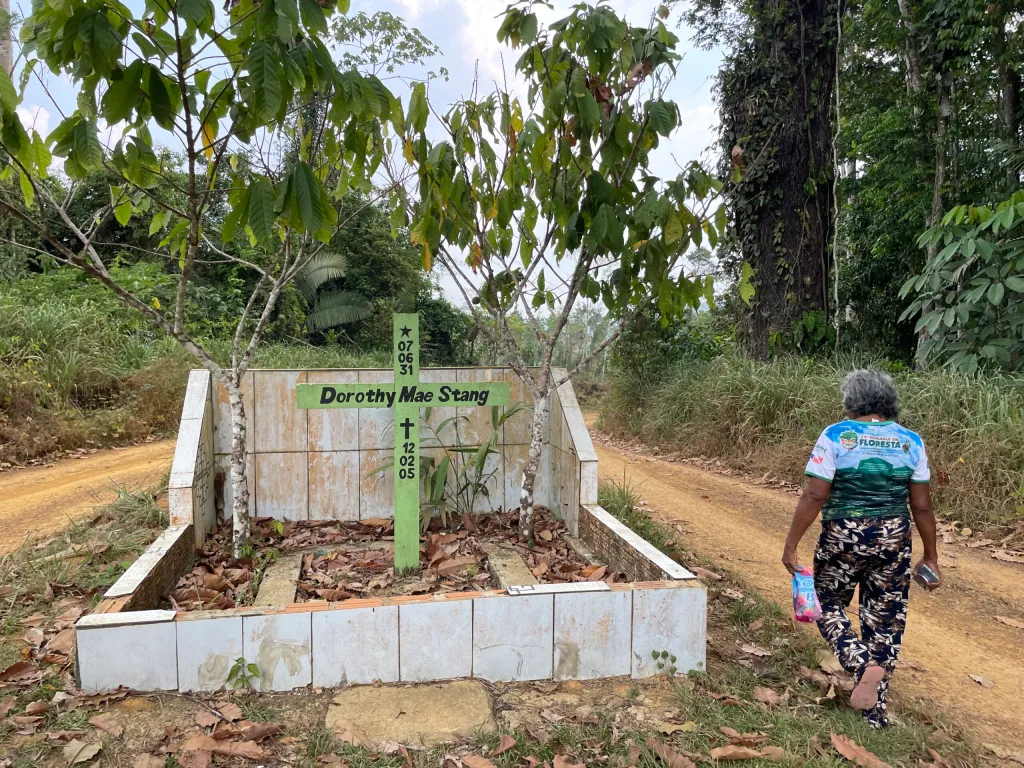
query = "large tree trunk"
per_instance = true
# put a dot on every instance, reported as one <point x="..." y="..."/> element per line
<point x="776" y="102"/>
<point x="239" y="476"/>
<point x="941" y="154"/>
<point x="541" y="405"/>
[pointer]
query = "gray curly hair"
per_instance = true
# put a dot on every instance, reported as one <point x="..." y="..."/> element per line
<point x="866" y="392"/>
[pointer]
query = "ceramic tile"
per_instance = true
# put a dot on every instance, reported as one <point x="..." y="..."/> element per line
<point x="142" y="657"/>
<point x="355" y="645"/>
<point x="673" y="620"/>
<point x="280" y="425"/>
<point x="279" y="645"/>
<point x="592" y="635"/>
<point x="222" y="414"/>
<point x="282" y="486"/>
<point x="334" y="486"/>
<point x="223" y="478"/>
<point x="377" y="489"/>
<point x="207" y="649"/>
<point x="376" y="425"/>
<point x="333" y="429"/>
<point x="517" y="428"/>
<point x="512" y="638"/>
<point x="436" y="640"/>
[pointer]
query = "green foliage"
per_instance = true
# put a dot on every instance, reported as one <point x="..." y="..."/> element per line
<point x="241" y="675"/>
<point x="765" y="417"/>
<point x="970" y="297"/>
<point x="564" y="174"/>
<point x="381" y="43"/>
<point x="329" y="308"/>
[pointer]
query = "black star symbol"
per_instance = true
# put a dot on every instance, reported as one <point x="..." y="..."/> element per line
<point x="406" y="331"/>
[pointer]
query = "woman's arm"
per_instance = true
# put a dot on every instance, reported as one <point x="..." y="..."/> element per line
<point x="811" y="501"/>
<point x="924" y="519"/>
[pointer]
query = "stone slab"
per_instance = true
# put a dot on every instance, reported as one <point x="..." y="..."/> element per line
<point x="355" y="645"/>
<point x="280" y="581"/>
<point x="507" y="567"/>
<point x="513" y="638"/>
<point x="423" y="716"/>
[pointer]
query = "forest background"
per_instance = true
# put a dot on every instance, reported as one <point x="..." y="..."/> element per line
<point x="908" y="259"/>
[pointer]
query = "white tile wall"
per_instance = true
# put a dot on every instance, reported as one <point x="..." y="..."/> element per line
<point x="355" y="645"/>
<point x="222" y="415"/>
<point x="436" y="640"/>
<point x="512" y="638"/>
<point x="142" y="657"/>
<point x="275" y="394"/>
<point x="592" y="635"/>
<point x="673" y="620"/>
<point x="280" y="645"/>
<point x="376" y="425"/>
<point x="334" y="486"/>
<point x="333" y="429"/>
<point x="207" y="649"/>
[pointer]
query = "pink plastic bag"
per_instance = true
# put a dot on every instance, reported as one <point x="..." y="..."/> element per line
<point x="806" y="607"/>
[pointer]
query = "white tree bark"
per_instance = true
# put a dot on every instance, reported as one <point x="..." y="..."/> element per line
<point x="239" y="476"/>
<point x="6" y="60"/>
<point x="541" y="405"/>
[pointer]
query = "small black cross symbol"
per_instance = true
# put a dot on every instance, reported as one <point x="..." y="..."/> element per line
<point x="406" y="331"/>
<point x="407" y="425"/>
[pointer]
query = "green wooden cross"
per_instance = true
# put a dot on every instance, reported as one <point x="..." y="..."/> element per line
<point x="407" y="395"/>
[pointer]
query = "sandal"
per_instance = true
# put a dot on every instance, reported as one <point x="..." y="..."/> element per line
<point x="865" y="695"/>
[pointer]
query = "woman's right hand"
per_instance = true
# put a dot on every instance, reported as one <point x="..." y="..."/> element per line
<point x="790" y="559"/>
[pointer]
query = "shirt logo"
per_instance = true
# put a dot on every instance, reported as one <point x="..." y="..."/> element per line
<point x="848" y="439"/>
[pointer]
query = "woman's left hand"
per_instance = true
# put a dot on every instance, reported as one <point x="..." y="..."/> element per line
<point x="790" y="559"/>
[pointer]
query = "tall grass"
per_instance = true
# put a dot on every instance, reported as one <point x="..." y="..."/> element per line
<point x="765" y="417"/>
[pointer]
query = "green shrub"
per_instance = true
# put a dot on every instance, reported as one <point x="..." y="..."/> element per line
<point x="765" y="417"/>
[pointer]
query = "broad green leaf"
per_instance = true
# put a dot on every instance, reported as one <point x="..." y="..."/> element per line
<point x="308" y="194"/>
<point x="746" y="288"/>
<point x="123" y="212"/>
<point x="1015" y="283"/>
<point x="313" y="16"/>
<point x="8" y="95"/>
<point x="418" y="110"/>
<point x="995" y="293"/>
<point x="262" y="200"/>
<point x="27" y="191"/>
<point x="673" y="229"/>
<point x="266" y="77"/>
<point x="87" y="150"/>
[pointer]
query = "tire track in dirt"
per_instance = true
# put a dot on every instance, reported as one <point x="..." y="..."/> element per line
<point x="950" y="634"/>
<point x="42" y="500"/>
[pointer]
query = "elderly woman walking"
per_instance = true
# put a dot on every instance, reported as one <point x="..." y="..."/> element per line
<point x="863" y="474"/>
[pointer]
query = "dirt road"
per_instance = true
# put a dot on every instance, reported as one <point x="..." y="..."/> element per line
<point x="951" y="633"/>
<point x="41" y="500"/>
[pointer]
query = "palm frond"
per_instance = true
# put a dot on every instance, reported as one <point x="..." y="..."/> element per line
<point x="335" y="308"/>
<point x="321" y="269"/>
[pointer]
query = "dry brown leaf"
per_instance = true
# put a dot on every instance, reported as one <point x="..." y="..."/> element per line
<point x="1008" y="557"/>
<point x="745" y="739"/>
<point x="754" y="650"/>
<point x="983" y="681"/>
<point x="348" y="733"/>
<point x="107" y="724"/>
<point x="562" y="761"/>
<point x="149" y="761"/>
<point x="855" y="753"/>
<point x="768" y="696"/>
<point x="331" y="759"/>
<point x="77" y="752"/>
<point x="477" y="761"/>
<point x="206" y="719"/>
<point x="229" y="711"/>
<point x="773" y="753"/>
<point x="755" y="625"/>
<point x="1010" y="622"/>
<point x="196" y="741"/>
<point x="36" y="708"/>
<point x="249" y="749"/>
<point x="62" y="642"/>
<point x="828" y="662"/>
<point x="669" y="728"/>
<point x="734" y="752"/>
<point x="201" y="758"/>
<point x="505" y="743"/>
<point x="7" y="704"/>
<point x="670" y="757"/>
<point x="260" y="731"/>
<point x="35" y="620"/>
<point x="704" y="573"/>
<point x="20" y="671"/>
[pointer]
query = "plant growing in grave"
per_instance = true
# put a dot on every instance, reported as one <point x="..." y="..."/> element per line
<point x="229" y="90"/>
<point x="529" y="204"/>
<point x="665" y="662"/>
<point x="242" y="675"/>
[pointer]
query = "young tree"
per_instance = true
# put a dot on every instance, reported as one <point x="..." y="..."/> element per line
<point x="531" y="203"/>
<point x="225" y="90"/>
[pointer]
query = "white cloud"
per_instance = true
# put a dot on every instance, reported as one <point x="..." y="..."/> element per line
<point x="35" y="118"/>
<point x="414" y="9"/>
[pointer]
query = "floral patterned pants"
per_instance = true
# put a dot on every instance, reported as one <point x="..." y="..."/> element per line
<point x="874" y="554"/>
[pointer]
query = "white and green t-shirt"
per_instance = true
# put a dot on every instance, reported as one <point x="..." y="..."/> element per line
<point x="870" y="465"/>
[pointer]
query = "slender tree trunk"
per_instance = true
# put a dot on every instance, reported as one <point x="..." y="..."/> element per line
<point x="910" y="52"/>
<point x="1009" y="92"/>
<point x="541" y="405"/>
<point x="941" y="155"/>
<point x="239" y="476"/>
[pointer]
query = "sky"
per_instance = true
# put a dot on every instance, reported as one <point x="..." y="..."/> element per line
<point x="466" y="32"/>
